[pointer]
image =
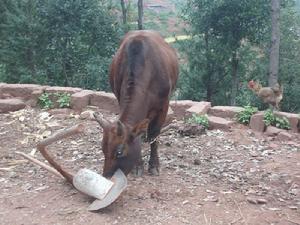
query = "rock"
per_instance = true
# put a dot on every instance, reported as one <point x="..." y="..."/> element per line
<point x="225" y="111"/>
<point x="34" y="99"/>
<point x="11" y="105"/>
<point x="55" y="89"/>
<point x="293" y="119"/>
<point x="105" y="101"/>
<point x="284" y="136"/>
<point x="23" y="91"/>
<point x="88" y="114"/>
<point x="257" y="122"/>
<point x="186" y="103"/>
<point x="81" y="99"/>
<point x="272" y="131"/>
<point x="179" y="107"/>
<point x="219" y="123"/>
<point x="200" y="108"/>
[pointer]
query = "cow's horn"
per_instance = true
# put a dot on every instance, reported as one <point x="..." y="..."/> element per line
<point x="98" y="117"/>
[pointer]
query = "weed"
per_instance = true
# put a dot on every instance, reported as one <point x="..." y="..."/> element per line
<point x="63" y="100"/>
<point x="199" y="119"/>
<point x="245" y="115"/>
<point x="271" y="119"/>
<point x="44" y="101"/>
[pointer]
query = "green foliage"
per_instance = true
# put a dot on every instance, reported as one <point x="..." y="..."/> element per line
<point x="245" y="115"/>
<point x="63" y="99"/>
<point x="220" y="31"/>
<point x="59" y="42"/>
<point x="199" y="119"/>
<point x="44" y="101"/>
<point x="271" y="119"/>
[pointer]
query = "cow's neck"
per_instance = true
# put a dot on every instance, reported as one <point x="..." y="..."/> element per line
<point x="133" y="111"/>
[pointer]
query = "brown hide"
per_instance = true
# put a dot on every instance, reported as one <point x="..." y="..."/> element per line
<point x="143" y="75"/>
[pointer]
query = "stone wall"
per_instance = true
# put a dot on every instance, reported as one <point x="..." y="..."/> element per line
<point x="17" y="96"/>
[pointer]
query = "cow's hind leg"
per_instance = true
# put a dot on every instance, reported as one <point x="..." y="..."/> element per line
<point x="154" y="160"/>
<point x="153" y="131"/>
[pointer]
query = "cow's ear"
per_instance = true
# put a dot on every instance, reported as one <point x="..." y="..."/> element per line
<point x="140" y="128"/>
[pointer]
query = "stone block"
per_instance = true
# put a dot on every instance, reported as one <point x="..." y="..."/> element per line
<point x="225" y="111"/>
<point x="11" y="105"/>
<point x="257" y="122"/>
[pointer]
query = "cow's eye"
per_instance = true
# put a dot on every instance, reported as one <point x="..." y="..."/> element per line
<point x="120" y="151"/>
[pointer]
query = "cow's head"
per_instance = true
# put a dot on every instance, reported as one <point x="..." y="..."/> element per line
<point x="120" y="145"/>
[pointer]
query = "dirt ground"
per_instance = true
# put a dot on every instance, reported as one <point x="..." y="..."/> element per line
<point x="231" y="178"/>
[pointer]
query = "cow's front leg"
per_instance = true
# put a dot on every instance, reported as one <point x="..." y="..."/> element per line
<point x="154" y="160"/>
<point x="138" y="170"/>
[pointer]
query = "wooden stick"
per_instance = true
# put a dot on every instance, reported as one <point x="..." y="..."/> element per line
<point x="41" y="146"/>
<point x="41" y="164"/>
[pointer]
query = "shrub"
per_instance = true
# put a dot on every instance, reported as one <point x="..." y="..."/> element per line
<point x="271" y="119"/>
<point x="245" y="115"/>
<point x="63" y="100"/>
<point x="44" y="101"/>
<point x="199" y="119"/>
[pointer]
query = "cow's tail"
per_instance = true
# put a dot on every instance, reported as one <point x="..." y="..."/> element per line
<point x="135" y="54"/>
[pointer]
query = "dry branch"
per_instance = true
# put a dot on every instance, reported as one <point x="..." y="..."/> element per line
<point x="41" y="164"/>
<point x="55" y="137"/>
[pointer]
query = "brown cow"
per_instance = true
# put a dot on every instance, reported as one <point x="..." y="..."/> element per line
<point x="143" y="75"/>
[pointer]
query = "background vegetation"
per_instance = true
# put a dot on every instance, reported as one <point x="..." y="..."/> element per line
<point x="71" y="43"/>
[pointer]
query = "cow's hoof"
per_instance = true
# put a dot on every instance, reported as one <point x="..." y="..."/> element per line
<point x="154" y="171"/>
<point x="138" y="171"/>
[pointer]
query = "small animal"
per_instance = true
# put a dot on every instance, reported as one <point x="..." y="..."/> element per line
<point x="143" y="74"/>
<point x="270" y="95"/>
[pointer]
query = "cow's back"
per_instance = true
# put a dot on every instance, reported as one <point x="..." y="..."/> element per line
<point x="145" y="61"/>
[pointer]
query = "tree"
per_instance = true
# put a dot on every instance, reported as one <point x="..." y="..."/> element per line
<point x="58" y="42"/>
<point x="124" y="12"/>
<point x="234" y="21"/>
<point x="20" y="53"/>
<point x="275" y="42"/>
<point x="140" y="14"/>
<point x="227" y="24"/>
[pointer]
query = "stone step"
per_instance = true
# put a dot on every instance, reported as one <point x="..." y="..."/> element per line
<point x="199" y="107"/>
<point x="219" y="123"/>
<point x="11" y="105"/>
<point x="225" y="111"/>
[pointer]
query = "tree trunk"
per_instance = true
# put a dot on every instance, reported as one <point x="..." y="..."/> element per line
<point x="235" y="80"/>
<point x="124" y="12"/>
<point x="275" y="42"/>
<point x="141" y="14"/>
<point x="208" y="81"/>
